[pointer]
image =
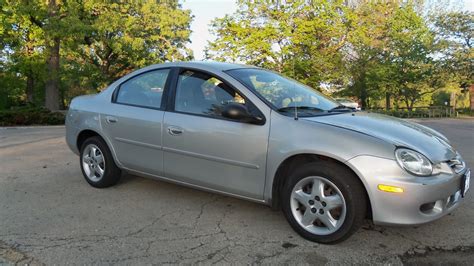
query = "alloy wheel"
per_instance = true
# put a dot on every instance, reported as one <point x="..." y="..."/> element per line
<point x="318" y="205"/>
<point x="93" y="162"/>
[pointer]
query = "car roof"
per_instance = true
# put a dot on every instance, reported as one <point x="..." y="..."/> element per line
<point x="220" y="66"/>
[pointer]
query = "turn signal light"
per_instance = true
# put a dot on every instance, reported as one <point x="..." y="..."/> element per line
<point x="391" y="189"/>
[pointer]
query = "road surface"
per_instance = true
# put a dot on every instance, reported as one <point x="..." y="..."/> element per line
<point x="49" y="214"/>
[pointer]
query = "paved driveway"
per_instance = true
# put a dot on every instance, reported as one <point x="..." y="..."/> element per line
<point x="49" y="214"/>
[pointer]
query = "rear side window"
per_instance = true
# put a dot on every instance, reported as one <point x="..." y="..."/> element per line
<point x="145" y="90"/>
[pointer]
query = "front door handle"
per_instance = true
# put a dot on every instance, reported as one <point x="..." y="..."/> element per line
<point x="111" y="119"/>
<point x="175" y="131"/>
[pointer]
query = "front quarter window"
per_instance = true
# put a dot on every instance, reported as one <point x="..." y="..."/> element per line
<point x="284" y="94"/>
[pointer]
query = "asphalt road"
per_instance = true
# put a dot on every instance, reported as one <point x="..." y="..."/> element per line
<point x="49" y="214"/>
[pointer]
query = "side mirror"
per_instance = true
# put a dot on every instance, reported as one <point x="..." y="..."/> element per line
<point x="237" y="111"/>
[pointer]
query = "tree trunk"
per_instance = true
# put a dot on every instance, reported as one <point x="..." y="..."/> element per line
<point x="30" y="80"/>
<point x="30" y="86"/>
<point x="362" y="90"/>
<point x="363" y="96"/>
<point x="52" y="83"/>
<point x="407" y="102"/>
<point x="387" y="101"/>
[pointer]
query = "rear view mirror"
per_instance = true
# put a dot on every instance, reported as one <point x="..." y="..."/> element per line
<point x="237" y="111"/>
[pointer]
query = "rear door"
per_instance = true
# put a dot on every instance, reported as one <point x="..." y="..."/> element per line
<point x="134" y="121"/>
<point x="203" y="148"/>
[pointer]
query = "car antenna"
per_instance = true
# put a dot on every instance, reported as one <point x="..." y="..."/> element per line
<point x="296" y="108"/>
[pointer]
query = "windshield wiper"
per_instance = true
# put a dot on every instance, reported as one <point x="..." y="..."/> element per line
<point x="340" y="108"/>
<point x="306" y="108"/>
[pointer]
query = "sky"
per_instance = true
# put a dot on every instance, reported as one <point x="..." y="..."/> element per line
<point x="205" y="11"/>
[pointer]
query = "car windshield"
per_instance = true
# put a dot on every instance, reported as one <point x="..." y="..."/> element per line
<point x="286" y="95"/>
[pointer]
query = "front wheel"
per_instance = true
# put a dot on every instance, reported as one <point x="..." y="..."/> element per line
<point x="97" y="163"/>
<point x="324" y="202"/>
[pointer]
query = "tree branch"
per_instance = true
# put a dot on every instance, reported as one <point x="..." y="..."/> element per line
<point x="36" y="21"/>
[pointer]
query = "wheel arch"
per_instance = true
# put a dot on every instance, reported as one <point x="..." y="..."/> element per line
<point x="84" y="135"/>
<point x="299" y="159"/>
<point x="88" y="133"/>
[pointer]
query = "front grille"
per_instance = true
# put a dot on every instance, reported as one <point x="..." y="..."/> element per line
<point x="457" y="164"/>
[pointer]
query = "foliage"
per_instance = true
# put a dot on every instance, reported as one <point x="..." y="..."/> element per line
<point x="411" y="47"/>
<point x="30" y="116"/>
<point x="393" y="49"/>
<point x="455" y="32"/>
<point x="299" y="38"/>
<point x="383" y="53"/>
<point x="126" y="36"/>
<point x="375" y="50"/>
<point x="366" y="53"/>
<point x="57" y="49"/>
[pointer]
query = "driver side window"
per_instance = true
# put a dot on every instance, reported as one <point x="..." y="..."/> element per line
<point x="200" y="93"/>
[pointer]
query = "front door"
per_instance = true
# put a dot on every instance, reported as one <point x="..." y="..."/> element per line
<point x="203" y="148"/>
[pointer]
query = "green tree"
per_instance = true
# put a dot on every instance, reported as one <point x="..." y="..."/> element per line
<point x="411" y="54"/>
<point x="36" y="30"/>
<point x="455" y="32"/>
<point x="122" y="37"/>
<point x="299" y="38"/>
<point x="23" y="43"/>
<point x="365" y="54"/>
<point x="67" y="47"/>
<point x="391" y="52"/>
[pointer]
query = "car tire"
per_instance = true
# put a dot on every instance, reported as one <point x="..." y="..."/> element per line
<point x="330" y="213"/>
<point x="97" y="164"/>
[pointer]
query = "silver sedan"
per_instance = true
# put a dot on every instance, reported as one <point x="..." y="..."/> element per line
<point x="251" y="133"/>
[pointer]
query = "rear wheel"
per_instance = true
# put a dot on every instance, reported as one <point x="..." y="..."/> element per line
<point x="324" y="202"/>
<point x="97" y="163"/>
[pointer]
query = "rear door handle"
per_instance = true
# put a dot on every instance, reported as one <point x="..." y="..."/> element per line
<point x="111" y="119"/>
<point x="175" y="131"/>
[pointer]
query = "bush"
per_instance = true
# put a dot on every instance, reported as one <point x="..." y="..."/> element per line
<point x="465" y="111"/>
<point x="30" y="116"/>
<point x="418" y="112"/>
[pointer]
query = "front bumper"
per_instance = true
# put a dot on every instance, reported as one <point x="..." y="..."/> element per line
<point x="423" y="200"/>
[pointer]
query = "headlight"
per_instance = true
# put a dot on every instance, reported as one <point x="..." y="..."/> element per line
<point x="414" y="162"/>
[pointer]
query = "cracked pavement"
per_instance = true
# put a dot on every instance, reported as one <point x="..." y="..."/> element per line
<point x="50" y="215"/>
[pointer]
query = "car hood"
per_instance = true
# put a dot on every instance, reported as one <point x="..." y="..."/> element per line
<point x="399" y="132"/>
